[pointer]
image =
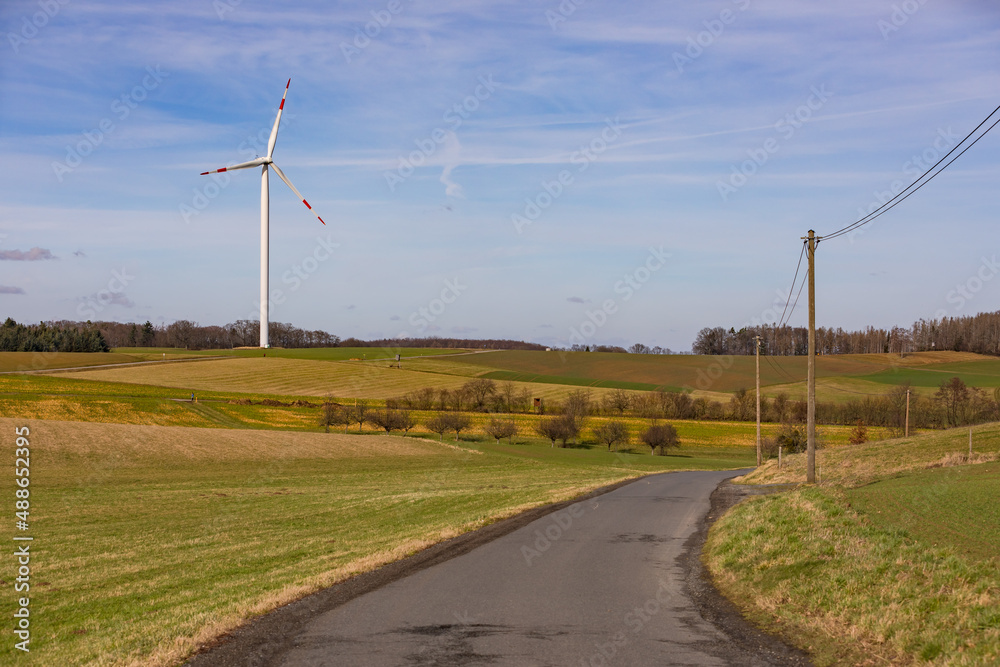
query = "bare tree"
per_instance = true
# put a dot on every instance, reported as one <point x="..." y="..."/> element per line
<point x="660" y="436"/>
<point x="359" y="413"/>
<point x="406" y="421"/>
<point x="479" y="391"/>
<point x="506" y="397"/>
<point x="439" y="423"/>
<point x="501" y="428"/>
<point x="551" y="428"/>
<point x="444" y="399"/>
<point x="459" y="423"/>
<point x="618" y="400"/>
<point x="611" y="433"/>
<point x="334" y="415"/>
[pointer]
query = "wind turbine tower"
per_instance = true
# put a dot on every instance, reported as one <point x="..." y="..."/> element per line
<point x="266" y="163"/>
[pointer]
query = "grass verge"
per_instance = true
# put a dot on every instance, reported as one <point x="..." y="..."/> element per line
<point x="893" y="559"/>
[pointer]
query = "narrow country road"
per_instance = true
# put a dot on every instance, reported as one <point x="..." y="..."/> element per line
<point x="604" y="581"/>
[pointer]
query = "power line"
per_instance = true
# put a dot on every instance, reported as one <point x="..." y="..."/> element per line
<point x="779" y="370"/>
<point x="803" y="284"/>
<point x="792" y="288"/>
<point x="904" y="194"/>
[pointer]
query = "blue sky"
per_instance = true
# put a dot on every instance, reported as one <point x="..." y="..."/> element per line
<point x="496" y="168"/>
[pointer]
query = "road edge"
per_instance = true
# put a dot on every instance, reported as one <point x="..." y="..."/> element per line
<point x="717" y="609"/>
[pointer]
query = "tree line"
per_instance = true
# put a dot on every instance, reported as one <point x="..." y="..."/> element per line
<point x="485" y="395"/>
<point x="190" y="335"/>
<point x="954" y="404"/>
<point x="973" y="333"/>
<point x="44" y="337"/>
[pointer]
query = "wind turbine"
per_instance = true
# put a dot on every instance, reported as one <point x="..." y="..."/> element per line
<point x="264" y="163"/>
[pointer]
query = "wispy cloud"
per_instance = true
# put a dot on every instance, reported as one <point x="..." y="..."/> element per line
<point x="6" y="289"/>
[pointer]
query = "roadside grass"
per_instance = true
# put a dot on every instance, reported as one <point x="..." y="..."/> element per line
<point x="856" y="465"/>
<point x="893" y="558"/>
<point x="850" y="590"/>
<point x="150" y="541"/>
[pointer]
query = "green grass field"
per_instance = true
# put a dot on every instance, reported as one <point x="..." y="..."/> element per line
<point x="725" y="374"/>
<point x="149" y="541"/>
<point x="955" y="506"/>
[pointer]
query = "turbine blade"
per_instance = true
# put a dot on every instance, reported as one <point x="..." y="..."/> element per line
<point x="277" y="121"/>
<point x="298" y="194"/>
<point x="243" y="165"/>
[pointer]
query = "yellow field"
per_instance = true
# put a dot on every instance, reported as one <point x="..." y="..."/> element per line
<point x="297" y="377"/>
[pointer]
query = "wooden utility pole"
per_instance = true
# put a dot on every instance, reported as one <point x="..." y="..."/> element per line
<point x="760" y="457"/>
<point x="906" y="431"/>
<point x="811" y="378"/>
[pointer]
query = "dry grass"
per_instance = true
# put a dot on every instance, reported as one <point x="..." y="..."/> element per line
<point x="142" y="444"/>
<point x="853" y="591"/>
<point x="862" y="464"/>
<point x="898" y="572"/>
<point x="297" y="377"/>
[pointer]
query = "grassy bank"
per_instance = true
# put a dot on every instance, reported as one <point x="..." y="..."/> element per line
<point x="854" y="590"/>
<point x="892" y="559"/>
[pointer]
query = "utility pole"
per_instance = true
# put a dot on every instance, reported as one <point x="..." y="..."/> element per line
<point x="811" y="378"/>
<point x="760" y="458"/>
<point x="906" y="432"/>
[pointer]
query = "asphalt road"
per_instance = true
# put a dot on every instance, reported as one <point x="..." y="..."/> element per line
<point x="605" y="581"/>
